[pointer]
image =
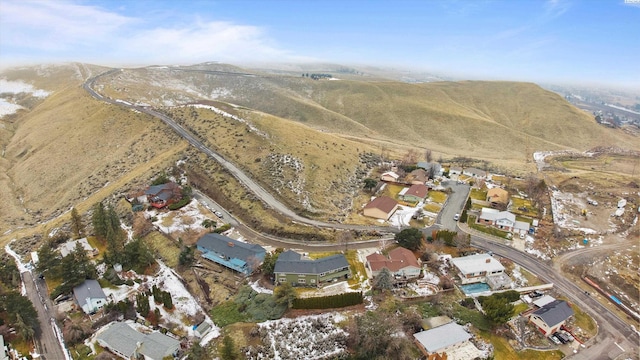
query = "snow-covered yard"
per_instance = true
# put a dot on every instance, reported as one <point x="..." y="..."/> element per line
<point x="307" y="337"/>
<point x="187" y="218"/>
<point x="185" y="305"/>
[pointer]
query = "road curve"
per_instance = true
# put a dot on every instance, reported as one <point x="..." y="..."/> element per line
<point x="613" y="335"/>
<point x="612" y="329"/>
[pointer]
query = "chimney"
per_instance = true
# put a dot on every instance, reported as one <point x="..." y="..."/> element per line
<point x="488" y="260"/>
<point x="230" y="244"/>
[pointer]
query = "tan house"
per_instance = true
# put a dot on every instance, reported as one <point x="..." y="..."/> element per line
<point x="390" y="176"/>
<point x="400" y="261"/>
<point x="381" y="208"/>
<point x="417" y="177"/>
<point x="551" y="316"/>
<point x="498" y="197"/>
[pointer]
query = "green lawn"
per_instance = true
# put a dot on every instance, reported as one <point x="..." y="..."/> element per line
<point x="519" y="203"/>
<point x="392" y="190"/>
<point x="227" y="313"/>
<point x="437" y="196"/>
<point x="486" y="229"/>
<point x="504" y="351"/>
<point x="477" y="194"/>
<point x="520" y="308"/>
<point x="433" y="207"/>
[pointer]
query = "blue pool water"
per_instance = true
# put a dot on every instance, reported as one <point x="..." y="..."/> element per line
<point x="474" y="288"/>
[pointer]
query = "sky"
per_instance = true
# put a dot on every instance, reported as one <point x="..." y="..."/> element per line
<point x="559" y="41"/>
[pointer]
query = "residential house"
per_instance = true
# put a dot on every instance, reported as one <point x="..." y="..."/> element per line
<point x="503" y="220"/>
<point x="381" y="207"/>
<point x="550" y="317"/>
<point x="236" y="255"/>
<point x="400" y="261"/>
<point x="455" y="170"/>
<point x="498" y="198"/>
<point x="475" y="173"/>
<point x="89" y="296"/>
<point x="476" y="268"/>
<point x="291" y="267"/>
<point x="432" y="168"/>
<point x="450" y="339"/>
<point x="416" y="177"/>
<point x="162" y="195"/>
<point x="390" y="176"/>
<point x="414" y="194"/>
<point x="70" y="246"/>
<point x="126" y="342"/>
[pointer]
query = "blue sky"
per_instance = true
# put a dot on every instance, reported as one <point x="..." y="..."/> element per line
<point x="556" y="41"/>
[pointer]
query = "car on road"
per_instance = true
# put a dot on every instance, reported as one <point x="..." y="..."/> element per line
<point x="218" y="214"/>
<point x="456" y="217"/>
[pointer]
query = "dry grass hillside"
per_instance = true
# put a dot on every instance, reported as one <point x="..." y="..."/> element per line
<point x="71" y="150"/>
<point x="501" y="122"/>
<point x="309" y="141"/>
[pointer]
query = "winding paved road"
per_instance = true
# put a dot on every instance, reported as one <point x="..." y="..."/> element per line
<point x="46" y="342"/>
<point x="615" y="337"/>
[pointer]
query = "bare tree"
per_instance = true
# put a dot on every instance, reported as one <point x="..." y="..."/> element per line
<point x="410" y="158"/>
<point x="428" y="156"/>
<point x="345" y="237"/>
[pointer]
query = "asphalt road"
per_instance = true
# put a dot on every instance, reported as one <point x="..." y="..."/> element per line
<point x="46" y="342"/>
<point x="615" y="337"/>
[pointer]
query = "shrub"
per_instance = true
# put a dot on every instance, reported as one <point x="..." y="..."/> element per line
<point x="327" y="302"/>
<point x="177" y="205"/>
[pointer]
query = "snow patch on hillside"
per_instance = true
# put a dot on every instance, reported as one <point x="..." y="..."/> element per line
<point x="8" y="89"/>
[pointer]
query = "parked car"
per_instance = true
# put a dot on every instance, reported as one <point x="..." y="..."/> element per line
<point x="562" y="337"/>
<point x="567" y="335"/>
<point x="554" y="339"/>
<point x="218" y="214"/>
<point x="535" y="294"/>
<point x="456" y="217"/>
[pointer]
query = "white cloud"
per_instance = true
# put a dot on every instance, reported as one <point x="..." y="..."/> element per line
<point x="56" y="25"/>
<point x="203" y="41"/>
<point x="69" y="31"/>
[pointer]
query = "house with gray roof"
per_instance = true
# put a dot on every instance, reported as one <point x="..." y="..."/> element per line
<point x="128" y="343"/>
<point x="550" y="317"/>
<point x="503" y="220"/>
<point x="476" y="268"/>
<point x="450" y="339"/>
<point x="89" y="296"/>
<point x="70" y="246"/>
<point x="162" y="195"/>
<point x="433" y="168"/>
<point x="236" y="255"/>
<point x="291" y="267"/>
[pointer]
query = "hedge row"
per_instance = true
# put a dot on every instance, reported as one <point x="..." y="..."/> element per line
<point x="328" y="302"/>
<point x="177" y="205"/>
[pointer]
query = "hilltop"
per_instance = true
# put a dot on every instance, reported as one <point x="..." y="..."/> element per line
<point x="309" y="141"/>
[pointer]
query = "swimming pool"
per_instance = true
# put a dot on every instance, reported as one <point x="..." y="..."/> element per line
<point x="470" y="289"/>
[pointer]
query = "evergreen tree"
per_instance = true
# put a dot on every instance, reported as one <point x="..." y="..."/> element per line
<point x="99" y="220"/>
<point x="285" y="294"/>
<point x="142" y="304"/>
<point x="410" y="238"/>
<point x="48" y="260"/>
<point x="77" y="228"/>
<point x="166" y="300"/>
<point x="23" y="329"/>
<point x="384" y="280"/>
<point x="228" y="351"/>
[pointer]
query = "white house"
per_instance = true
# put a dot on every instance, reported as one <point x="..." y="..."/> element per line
<point x="503" y="220"/>
<point x="89" y="296"/>
<point x="550" y="317"/>
<point x="476" y="268"/>
<point x="124" y="341"/>
<point x="390" y="176"/>
<point x="70" y="246"/>
<point x="449" y="338"/>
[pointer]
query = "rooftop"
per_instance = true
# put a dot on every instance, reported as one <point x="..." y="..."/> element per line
<point x="229" y="247"/>
<point x="397" y="259"/>
<point x="89" y="289"/>
<point x="554" y="312"/>
<point x="441" y="337"/>
<point x="477" y="263"/>
<point x="292" y="262"/>
<point x="383" y="203"/>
